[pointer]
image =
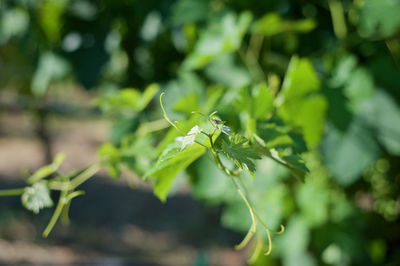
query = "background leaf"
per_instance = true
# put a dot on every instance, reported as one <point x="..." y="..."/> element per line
<point x="300" y="103"/>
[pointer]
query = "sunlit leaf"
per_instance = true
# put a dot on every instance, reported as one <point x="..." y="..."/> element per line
<point x="300" y="104"/>
<point x="262" y="101"/>
<point x="189" y="139"/>
<point x="220" y="38"/>
<point x="148" y="95"/>
<point x="170" y="163"/>
<point x="127" y="101"/>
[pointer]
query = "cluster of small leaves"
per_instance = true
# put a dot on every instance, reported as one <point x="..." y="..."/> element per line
<point x="36" y="197"/>
<point x="37" y="194"/>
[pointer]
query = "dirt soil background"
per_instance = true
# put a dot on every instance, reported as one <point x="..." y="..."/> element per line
<point x="113" y="224"/>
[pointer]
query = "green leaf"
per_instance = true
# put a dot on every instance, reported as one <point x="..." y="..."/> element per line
<point x="383" y="114"/>
<point x="242" y="102"/>
<point x="187" y="104"/>
<point x="47" y="170"/>
<point x="14" y="23"/>
<point x="288" y="156"/>
<point x="36" y="197"/>
<point x="226" y="71"/>
<point x="112" y="158"/>
<point x="137" y="153"/>
<point x="170" y="163"/>
<point x="127" y="101"/>
<point x="263" y="101"/>
<point x="300" y="80"/>
<point x="313" y="200"/>
<point x="295" y="240"/>
<point x="51" y="19"/>
<point x="147" y="96"/>
<point x="172" y="134"/>
<point x="211" y="184"/>
<point x="190" y="138"/>
<point x="347" y="155"/>
<point x="300" y="104"/>
<point x="256" y="101"/>
<point x="343" y="70"/>
<point x="296" y="164"/>
<point x="123" y="101"/>
<point x="272" y="24"/>
<point x="275" y="136"/>
<point x="222" y="37"/>
<point x="238" y="150"/>
<point x="379" y="18"/>
<point x="108" y="151"/>
<point x="236" y="216"/>
<point x="280" y="137"/>
<point x="51" y="68"/>
<point x="189" y="11"/>
<point x="114" y="169"/>
<point x="360" y="85"/>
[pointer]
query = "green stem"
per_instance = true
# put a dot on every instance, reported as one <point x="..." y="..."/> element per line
<point x="256" y="251"/>
<point x="56" y="185"/>
<point x="338" y="19"/>
<point x="68" y="199"/>
<point x="56" y="214"/>
<point x="12" y="192"/>
<point x="255" y="213"/>
<point x="231" y="174"/>
<point x="254" y="48"/>
<point x="65" y="214"/>
<point x="166" y="116"/>
<point x="253" y="67"/>
<point x="218" y="159"/>
<point x="84" y="176"/>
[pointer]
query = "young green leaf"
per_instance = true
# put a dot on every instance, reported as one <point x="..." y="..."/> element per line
<point x="238" y="150"/>
<point x="36" y="197"/>
<point x="189" y="139"/>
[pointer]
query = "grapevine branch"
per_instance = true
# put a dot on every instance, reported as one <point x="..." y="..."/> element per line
<point x="233" y="174"/>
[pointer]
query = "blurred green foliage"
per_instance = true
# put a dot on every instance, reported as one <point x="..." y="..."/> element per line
<point x="274" y="70"/>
